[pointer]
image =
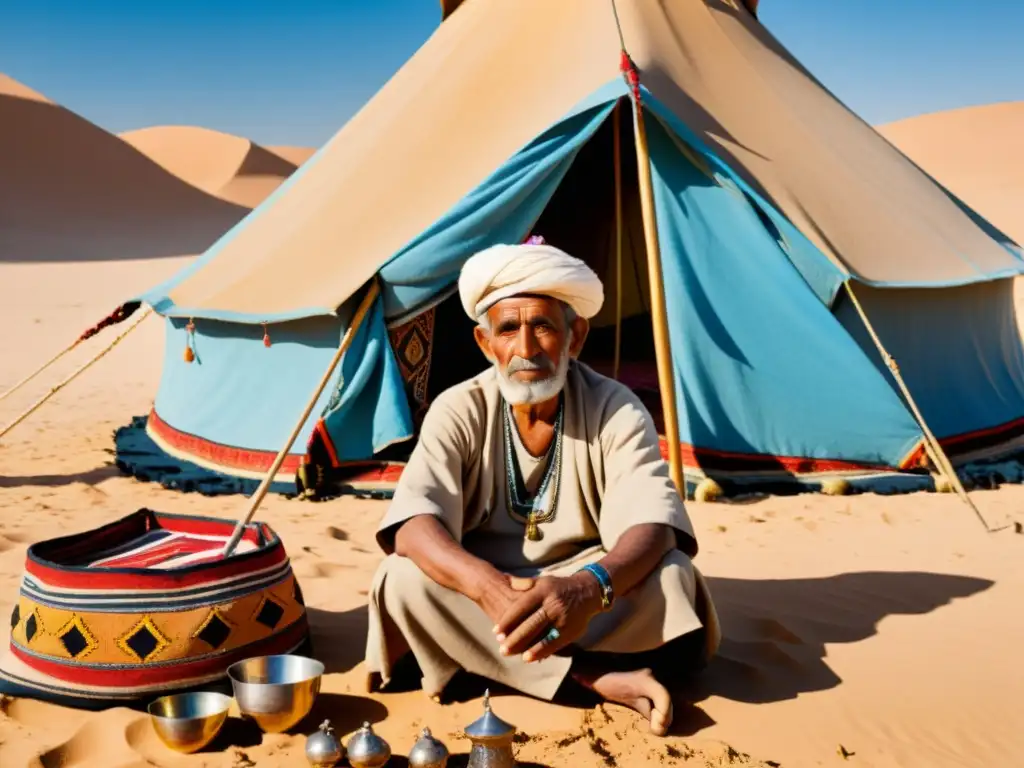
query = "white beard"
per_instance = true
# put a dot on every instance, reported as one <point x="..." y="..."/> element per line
<point x="530" y="392"/>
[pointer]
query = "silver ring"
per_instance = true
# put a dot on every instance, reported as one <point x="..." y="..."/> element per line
<point x="552" y="635"/>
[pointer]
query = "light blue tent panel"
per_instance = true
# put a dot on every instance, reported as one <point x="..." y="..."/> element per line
<point x="238" y="392"/>
<point x="762" y="366"/>
<point x="822" y="275"/>
<point x="226" y="396"/>
<point x="369" y="409"/>
<point x="958" y="349"/>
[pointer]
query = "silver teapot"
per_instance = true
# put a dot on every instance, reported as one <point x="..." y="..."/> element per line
<point x="366" y="749"/>
<point x="428" y="752"/>
<point x="492" y="740"/>
<point x="323" y="749"/>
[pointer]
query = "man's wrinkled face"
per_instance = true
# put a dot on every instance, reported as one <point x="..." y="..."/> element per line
<point x="530" y="340"/>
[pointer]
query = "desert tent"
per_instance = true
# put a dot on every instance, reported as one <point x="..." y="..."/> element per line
<point x="783" y="220"/>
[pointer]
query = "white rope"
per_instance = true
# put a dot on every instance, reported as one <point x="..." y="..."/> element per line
<point x="102" y="353"/>
<point x="39" y="370"/>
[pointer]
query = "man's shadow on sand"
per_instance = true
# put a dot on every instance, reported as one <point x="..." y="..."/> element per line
<point x="774" y="633"/>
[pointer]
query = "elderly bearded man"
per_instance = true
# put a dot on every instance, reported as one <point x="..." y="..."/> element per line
<point x="535" y="534"/>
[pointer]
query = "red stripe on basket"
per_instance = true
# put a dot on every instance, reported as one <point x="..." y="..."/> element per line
<point x="99" y="578"/>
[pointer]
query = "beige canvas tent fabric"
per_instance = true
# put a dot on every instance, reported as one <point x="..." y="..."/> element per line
<point x="499" y="72"/>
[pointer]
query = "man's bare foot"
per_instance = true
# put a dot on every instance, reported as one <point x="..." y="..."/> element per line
<point x="639" y="690"/>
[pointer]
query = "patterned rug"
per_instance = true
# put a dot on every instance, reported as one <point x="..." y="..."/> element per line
<point x="413" y="344"/>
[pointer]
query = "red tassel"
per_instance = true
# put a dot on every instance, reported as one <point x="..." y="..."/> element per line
<point x="266" y="336"/>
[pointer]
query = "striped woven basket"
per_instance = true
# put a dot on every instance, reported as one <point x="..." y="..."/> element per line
<point x="147" y="606"/>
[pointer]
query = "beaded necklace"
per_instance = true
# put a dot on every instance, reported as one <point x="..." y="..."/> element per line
<point x="541" y="508"/>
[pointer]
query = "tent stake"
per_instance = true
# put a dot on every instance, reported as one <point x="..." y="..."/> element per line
<point x="617" y="131"/>
<point x="659" y="313"/>
<point x="938" y="455"/>
<point x="264" y="487"/>
<point x="54" y="390"/>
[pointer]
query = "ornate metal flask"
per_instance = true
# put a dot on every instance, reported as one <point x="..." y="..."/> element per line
<point x="492" y="740"/>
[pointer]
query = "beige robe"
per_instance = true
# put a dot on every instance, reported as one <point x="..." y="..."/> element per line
<point x="613" y="477"/>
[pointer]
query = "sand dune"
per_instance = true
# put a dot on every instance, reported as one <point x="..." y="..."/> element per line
<point x="977" y="153"/>
<point x="70" y="191"/>
<point x="230" y="167"/>
<point x="294" y="155"/>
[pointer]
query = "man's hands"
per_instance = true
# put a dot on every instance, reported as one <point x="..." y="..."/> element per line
<point x="501" y="594"/>
<point x="567" y="604"/>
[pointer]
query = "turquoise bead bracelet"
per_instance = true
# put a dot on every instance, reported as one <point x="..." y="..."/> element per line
<point x="605" y="580"/>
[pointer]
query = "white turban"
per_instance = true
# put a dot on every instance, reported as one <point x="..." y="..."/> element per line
<point x="511" y="270"/>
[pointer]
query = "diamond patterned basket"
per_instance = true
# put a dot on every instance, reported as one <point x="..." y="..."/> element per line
<point x="146" y="606"/>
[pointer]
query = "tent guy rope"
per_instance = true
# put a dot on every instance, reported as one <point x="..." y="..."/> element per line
<point x="82" y="369"/>
<point x="40" y="369"/>
<point x="261" y="492"/>
<point x="118" y="315"/>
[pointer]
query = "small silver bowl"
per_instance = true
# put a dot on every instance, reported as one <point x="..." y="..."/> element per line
<point x="276" y="691"/>
<point x="187" y="722"/>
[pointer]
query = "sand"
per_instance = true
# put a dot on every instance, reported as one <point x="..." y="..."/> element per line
<point x="229" y="167"/>
<point x="862" y="631"/>
<point x="977" y="153"/>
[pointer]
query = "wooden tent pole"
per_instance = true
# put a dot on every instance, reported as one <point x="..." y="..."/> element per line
<point x="617" y="131"/>
<point x="659" y="312"/>
<point x="346" y="341"/>
<point x="932" y="444"/>
<point x="82" y="369"/>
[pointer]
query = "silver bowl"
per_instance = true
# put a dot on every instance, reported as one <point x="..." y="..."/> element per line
<point x="187" y="722"/>
<point x="276" y="691"/>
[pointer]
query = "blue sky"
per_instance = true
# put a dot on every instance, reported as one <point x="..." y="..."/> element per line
<point x="293" y="73"/>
